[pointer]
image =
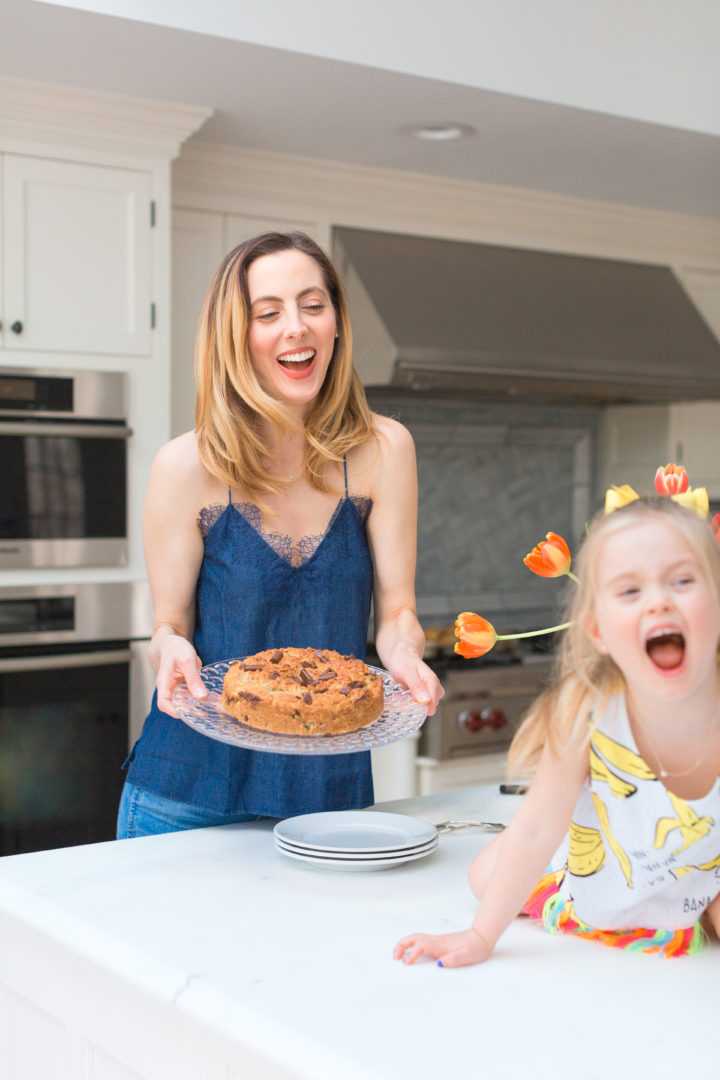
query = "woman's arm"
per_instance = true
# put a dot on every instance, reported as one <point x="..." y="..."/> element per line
<point x="173" y="554"/>
<point x="527" y="845"/>
<point x="392" y="534"/>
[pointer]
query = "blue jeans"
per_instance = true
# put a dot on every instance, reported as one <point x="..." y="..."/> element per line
<point x="142" y="813"/>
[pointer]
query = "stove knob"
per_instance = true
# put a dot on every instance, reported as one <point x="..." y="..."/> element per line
<point x="470" y="720"/>
<point x="494" y="718"/>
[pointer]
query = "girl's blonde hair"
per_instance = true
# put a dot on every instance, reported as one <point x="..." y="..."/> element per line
<point x="231" y="405"/>
<point x="585" y="676"/>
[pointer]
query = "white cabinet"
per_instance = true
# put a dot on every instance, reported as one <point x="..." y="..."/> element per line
<point x="435" y="777"/>
<point x="197" y="248"/>
<point x="75" y="257"/>
<point x="640" y="438"/>
<point x="694" y="441"/>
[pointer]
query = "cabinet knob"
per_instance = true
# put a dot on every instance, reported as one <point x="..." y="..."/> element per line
<point x="16" y="327"/>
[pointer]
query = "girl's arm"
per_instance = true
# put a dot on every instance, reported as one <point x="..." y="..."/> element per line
<point x="392" y="534"/>
<point x="173" y="554"/>
<point x="526" y="847"/>
<point x="713" y="915"/>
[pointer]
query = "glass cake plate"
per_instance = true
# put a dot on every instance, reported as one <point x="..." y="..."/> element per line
<point x="401" y="716"/>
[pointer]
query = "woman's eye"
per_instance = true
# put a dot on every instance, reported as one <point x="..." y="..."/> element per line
<point x="265" y="316"/>
<point x="314" y="308"/>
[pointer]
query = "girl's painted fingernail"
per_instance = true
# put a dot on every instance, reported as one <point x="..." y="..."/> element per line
<point x="440" y="964"/>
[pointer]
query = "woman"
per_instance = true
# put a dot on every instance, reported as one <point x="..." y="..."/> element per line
<point x="272" y="524"/>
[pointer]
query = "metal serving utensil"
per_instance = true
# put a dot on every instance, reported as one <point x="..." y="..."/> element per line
<point x="453" y="826"/>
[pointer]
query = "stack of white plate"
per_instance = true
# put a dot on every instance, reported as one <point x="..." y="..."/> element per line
<point x="355" y="839"/>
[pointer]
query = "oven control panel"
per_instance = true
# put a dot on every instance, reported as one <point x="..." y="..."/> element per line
<point x="482" y="708"/>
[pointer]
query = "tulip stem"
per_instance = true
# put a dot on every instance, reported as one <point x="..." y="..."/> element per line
<point x="533" y="633"/>
<point x="572" y="576"/>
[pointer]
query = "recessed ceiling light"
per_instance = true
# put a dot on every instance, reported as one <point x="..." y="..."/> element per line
<point x="443" y="131"/>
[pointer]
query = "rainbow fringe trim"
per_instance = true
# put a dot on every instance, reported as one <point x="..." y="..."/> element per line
<point x="547" y="906"/>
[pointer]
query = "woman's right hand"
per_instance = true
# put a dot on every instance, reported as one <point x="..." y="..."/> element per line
<point x="178" y="662"/>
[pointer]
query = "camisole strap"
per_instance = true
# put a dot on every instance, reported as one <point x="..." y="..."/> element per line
<point x="229" y="496"/>
<point x="345" y="468"/>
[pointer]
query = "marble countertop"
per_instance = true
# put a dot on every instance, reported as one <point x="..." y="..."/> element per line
<point x="296" y="960"/>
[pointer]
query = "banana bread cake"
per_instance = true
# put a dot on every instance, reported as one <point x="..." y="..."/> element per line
<point x="295" y="691"/>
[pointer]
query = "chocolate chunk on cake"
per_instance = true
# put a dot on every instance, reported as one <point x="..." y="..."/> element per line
<point x="294" y="691"/>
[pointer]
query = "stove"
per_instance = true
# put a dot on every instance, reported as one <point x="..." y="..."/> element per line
<point x="484" y="702"/>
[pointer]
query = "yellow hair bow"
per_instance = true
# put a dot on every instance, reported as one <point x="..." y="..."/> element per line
<point x="696" y="500"/>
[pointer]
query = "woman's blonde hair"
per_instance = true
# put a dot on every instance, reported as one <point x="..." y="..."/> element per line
<point x="586" y="677"/>
<point x="231" y="405"/>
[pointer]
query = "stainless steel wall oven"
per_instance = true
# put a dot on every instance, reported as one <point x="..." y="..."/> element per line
<point x="63" y="481"/>
<point x="65" y="662"/>
<point x="483" y="705"/>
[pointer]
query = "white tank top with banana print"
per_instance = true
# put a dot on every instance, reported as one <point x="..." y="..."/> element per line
<point x="636" y="855"/>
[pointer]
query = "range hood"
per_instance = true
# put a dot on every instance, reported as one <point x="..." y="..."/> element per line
<point x="452" y="317"/>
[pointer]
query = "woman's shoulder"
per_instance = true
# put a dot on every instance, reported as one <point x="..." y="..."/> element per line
<point x="177" y="468"/>
<point x="387" y="429"/>
<point x="180" y="452"/>
<point x="391" y="443"/>
<point x="383" y="461"/>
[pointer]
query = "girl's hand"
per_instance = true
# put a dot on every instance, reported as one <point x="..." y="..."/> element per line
<point x="178" y="661"/>
<point x="450" y="950"/>
<point x="409" y="670"/>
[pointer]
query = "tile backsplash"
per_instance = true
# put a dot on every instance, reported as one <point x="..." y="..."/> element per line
<point x="494" y="479"/>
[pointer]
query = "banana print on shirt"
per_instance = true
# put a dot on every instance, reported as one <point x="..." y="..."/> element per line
<point x="691" y="827"/>
<point x="627" y="858"/>
<point x="587" y="848"/>
<point x="621" y="758"/>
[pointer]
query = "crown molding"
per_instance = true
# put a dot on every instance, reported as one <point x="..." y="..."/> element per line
<point x="65" y="117"/>
<point x="212" y="176"/>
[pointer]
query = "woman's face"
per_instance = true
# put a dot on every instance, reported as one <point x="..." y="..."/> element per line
<point x="292" y="327"/>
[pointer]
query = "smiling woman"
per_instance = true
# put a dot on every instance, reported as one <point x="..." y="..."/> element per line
<point x="271" y="526"/>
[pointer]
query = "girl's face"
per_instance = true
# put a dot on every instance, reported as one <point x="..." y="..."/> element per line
<point x="292" y="327"/>
<point x="655" y="613"/>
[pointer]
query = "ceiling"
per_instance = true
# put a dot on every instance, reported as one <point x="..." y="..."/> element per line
<point x="287" y="102"/>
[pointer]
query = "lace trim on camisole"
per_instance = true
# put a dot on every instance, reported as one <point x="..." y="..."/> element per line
<point x="294" y="552"/>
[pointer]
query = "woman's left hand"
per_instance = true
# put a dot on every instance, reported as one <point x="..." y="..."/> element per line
<point x="409" y="670"/>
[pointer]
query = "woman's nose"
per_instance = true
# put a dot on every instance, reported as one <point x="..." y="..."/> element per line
<point x="294" y="323"/>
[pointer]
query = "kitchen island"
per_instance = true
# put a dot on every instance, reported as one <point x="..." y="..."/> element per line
<point x="209" y="955"/>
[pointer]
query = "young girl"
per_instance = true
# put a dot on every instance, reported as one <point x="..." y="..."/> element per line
<point x="621" y="825"/>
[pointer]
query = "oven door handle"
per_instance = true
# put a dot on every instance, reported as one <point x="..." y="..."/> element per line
<point x="65" y="660"/>
<point x="78" y="431"/>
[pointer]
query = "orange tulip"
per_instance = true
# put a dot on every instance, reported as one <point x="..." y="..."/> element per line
<point x="551" y="557"/>
<point x="672" y="480"/>
<point x="476" y="635"/>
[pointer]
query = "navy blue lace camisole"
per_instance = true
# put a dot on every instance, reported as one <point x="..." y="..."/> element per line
<point x="257" y="591"/>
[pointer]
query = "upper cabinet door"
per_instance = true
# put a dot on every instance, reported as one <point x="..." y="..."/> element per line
<point x="76" y="258"/>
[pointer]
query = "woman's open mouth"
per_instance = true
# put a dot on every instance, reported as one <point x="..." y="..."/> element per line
<point x="298" y="364"/>
<point x="666" y="649"/>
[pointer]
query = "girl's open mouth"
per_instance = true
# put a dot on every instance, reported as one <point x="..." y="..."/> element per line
<point x="666" y="649"/>
<point x="297" y="364"/>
